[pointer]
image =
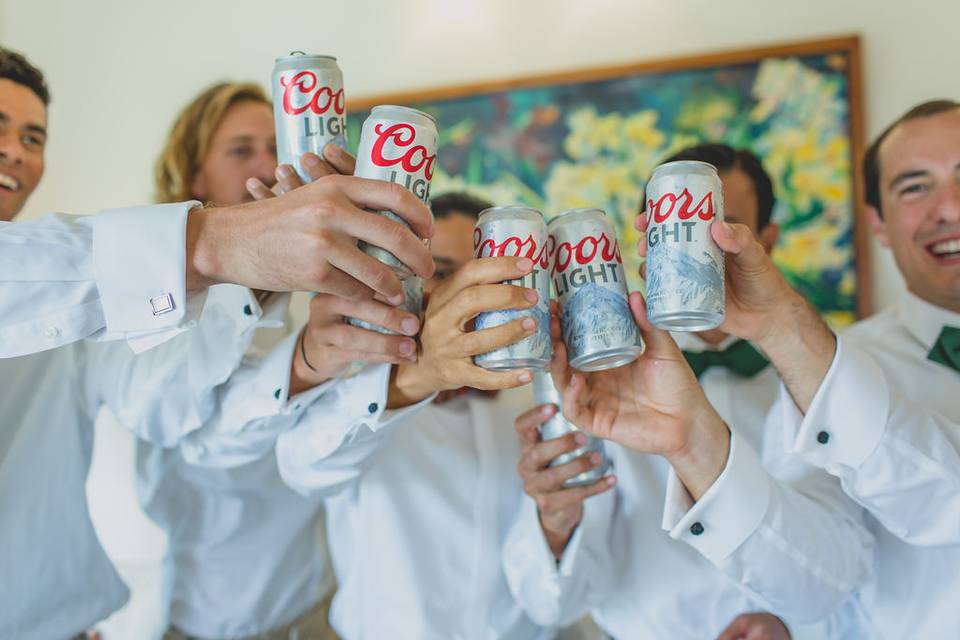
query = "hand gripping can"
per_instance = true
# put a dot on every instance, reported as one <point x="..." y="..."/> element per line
<point x="685" y="290"/>
<point x="399" y="145"/>
<point x="309" y="110"/>
<point x="517" y="231"/>
<point x="545" y="393"/>
<point x="597" y="325"/>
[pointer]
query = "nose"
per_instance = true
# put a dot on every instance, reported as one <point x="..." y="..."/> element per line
<point x="948" y="206"/>
<point x="11" y="151"/>
<point x="264" y="166"/>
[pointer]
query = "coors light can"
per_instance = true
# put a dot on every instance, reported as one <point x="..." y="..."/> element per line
<point x="597" y="325"/>
<point x="399" y="145"/>
<point x="545" y="393"/>
<point x="684" y="265"/>
<point x="517" y="231"/>
<point x="308" y="107"/>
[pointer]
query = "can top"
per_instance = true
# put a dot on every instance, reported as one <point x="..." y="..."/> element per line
<point x="510" y="211"/>
<point x="685" y="166"/>
<point x="300" y="56"/>
<point x="382" y="111"/>
<point x="576" y="214"/>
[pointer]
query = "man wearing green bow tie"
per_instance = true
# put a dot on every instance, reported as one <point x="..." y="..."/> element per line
<point x="608" y="555"/>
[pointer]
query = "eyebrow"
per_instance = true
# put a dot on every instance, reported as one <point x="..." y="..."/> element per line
<point x="242" y="138"/>
<point x="35" y="128"/>
<point x="907" y="175"/>
<point x="448" y="262"/>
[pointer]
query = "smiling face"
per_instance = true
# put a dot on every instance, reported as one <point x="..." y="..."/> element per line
<point x="23" y="136"/>
<point x="243" y="147"/>
<point x="920" y="200"/>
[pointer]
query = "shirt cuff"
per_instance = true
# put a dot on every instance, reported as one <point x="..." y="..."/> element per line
<point x="843" y="425"/>
<point x="728" y="513"/>
<point x="139" y="262"/>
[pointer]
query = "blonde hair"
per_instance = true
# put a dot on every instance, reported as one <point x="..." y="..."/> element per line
<point x="190" y="137"/>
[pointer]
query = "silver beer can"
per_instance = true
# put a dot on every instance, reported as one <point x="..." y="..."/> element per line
<point x="309" y="109"/>
<point x="598" y="328"/>
<point x="685" y="290"/>
<point x="516" y="231"/>
<point x="397" y="144"/>
<point x="545" y="393"/>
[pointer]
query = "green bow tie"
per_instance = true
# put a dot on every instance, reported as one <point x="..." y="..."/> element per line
<point x="946" y="350"/>
<point x="740" y="357"/>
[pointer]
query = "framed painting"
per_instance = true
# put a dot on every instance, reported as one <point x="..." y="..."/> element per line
<point x="591" y="138"/>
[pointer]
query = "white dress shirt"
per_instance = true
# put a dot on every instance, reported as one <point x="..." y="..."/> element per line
<point x="55" y="579"/>
<point x="246" y="553"/>
<point x="636" y="581"/>
<point x="891" y="419"/>
<point x="419" y="504"/>
<point x="118" y="274"/>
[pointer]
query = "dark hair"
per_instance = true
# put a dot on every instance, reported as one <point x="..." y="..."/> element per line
<point x="725" y="158"/>
<point x="871" y="159"/>
<point x="447" y="204"/>
<point x="13" y="66"/>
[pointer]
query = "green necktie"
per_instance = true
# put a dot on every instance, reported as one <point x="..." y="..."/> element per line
<point x="740" y="357"/>
<point x="946" y="350"/>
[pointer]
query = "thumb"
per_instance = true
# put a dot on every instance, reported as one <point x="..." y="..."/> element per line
<point x="739" y="242"/>
<point x="659" y="343"/>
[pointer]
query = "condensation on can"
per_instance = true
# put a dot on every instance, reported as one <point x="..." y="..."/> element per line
<point x="309" y="108"/>
<point x="544" y="392"/>
<point x="397" y="144"/>
<point x="516" y="231"/>
<point x="685" y="269"/>
<point x="595" y="318"/>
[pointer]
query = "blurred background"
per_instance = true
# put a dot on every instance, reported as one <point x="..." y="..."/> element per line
<point x="120" y="71"/>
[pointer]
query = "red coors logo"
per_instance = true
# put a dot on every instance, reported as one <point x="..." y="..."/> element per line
<point x="664" y="207"/>
<point x="584" y="251"/>
<point x="512" y="246"/>
<point x="305" y="83"/>
<point x="402" y="135"/>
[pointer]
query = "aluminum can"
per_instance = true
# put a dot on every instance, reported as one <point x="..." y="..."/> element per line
<point x="399" y="145"/>
<point x="685" y="290"/>
<point x="309" y="109"/>
<point x="516" y="231"/>
<point x="412" y="302"/>
<point x="598" y="328"/>
<point x="545" y="393"/>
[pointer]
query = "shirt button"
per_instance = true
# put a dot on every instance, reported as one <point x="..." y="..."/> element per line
<point x="51" y="332"/>
<point x="823" y="437"/>
<point x="247" y="311"/>
<point x="696" y="529"/>
<point x="276" y="394"/>
<point x="372" y="407"/>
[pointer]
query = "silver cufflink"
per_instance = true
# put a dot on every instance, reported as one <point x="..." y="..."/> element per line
<point x="162" y="304"/>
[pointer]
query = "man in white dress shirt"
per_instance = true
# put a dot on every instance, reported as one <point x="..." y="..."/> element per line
<point x="421" y="494"/>
<point x="875" y="409"/>
<point x="556" y="578"/>
<point x="125" y="274"/>
<point x="886" y="421"/>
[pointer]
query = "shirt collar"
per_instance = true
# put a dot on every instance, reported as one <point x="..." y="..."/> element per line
<point x="923" y="320"/>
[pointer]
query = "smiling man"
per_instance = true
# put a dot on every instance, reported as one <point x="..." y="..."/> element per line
<point x="23" y="132"/>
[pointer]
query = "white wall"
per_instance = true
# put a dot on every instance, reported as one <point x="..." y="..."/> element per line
<point x="120" y="70"/>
